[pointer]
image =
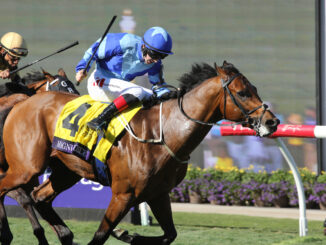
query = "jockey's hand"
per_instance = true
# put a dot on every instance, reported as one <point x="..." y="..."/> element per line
<point x="80" y="75"/>
<point x="5" y="74"/>
<point x="160" y="91"/>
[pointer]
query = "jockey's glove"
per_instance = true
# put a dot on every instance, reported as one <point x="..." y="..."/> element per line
<point x="160" y="91"/>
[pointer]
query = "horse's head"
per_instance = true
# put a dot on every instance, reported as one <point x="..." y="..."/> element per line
<point x="44" y="81"/>
<point x="241" y="102"/>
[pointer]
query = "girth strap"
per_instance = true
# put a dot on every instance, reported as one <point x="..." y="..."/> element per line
<point x="161" y="141"/>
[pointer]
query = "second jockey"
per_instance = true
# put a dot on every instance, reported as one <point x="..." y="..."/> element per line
<point x="12" y="48"/>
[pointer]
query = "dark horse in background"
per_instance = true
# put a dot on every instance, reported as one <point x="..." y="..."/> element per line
<point x="12" y="93"/>
<point x="138" y="171"/>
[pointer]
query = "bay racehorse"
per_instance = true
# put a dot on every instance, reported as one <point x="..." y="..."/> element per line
<point x="36" y="82"/>
<point x="138" y="171"/>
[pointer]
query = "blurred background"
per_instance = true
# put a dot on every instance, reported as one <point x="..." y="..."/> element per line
<point x="272" y="42"/>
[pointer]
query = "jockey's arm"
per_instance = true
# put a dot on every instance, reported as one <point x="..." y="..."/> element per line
<point x="157" y="79"/>
<point x="80" y="75"/>
<point x="101" y="53"/>
<point x="80" y="68"/>
<point x="5" y="74"/>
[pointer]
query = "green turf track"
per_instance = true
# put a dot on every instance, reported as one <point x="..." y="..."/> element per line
<point x="194" y="229"/>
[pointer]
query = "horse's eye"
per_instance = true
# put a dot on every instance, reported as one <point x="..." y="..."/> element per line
<point x="243" y="94"/>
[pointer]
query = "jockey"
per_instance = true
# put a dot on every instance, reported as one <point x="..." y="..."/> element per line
<point x="12" y="48"/>
<point x="119" y="59"/>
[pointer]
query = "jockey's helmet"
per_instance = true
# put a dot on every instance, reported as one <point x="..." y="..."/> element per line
<point x="14" y="44"/>
<point x="158" y="39"/>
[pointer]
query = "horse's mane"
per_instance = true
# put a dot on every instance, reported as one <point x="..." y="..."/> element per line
<point x="198" y="74"/>
<point x="202" y="72"/>
<point x="33" y="77"/>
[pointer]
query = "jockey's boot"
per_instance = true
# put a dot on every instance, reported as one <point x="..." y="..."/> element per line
<point x="119" y="104"/>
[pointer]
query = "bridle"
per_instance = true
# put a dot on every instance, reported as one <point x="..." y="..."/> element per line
<point x="63" y="85"/>
<point x="225" y="84"/>
<point x="249" y="120"/>
<point x="48" y="84"/>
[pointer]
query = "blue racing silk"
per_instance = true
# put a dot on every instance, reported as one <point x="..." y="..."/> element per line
<point x="120" y="56"/>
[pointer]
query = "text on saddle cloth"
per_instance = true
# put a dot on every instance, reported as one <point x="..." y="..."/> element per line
<point x="73" y="136"/>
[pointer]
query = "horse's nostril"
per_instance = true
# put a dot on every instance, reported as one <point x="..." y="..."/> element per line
<point x="251" y="121"/>
<point x="272" y="122"/>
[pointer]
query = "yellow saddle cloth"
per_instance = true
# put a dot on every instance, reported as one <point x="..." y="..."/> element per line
<point x="73" y="136"/>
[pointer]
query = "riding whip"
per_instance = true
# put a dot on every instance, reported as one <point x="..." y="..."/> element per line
<point x="56" y="52"/>
<point x="103" y="36"/>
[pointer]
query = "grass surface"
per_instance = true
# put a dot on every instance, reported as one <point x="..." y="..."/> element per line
<point x="194" y="229"/>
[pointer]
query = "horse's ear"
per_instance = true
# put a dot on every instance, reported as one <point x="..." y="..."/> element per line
<point x="219" y="69"/>
<point x="225" y="63"/>
<point x="47" y="75"/>
<point x="62" y="73"/>
<point x="45" y="72"/>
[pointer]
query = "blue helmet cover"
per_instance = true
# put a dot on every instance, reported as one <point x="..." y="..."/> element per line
<point x="158" y="39"/>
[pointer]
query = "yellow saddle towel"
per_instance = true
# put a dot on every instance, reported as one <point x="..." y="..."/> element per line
<point x="73" y="136"/>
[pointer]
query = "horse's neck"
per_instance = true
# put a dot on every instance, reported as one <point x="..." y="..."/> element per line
<point x="203" y="101"/>
<point x="200" y="103"/>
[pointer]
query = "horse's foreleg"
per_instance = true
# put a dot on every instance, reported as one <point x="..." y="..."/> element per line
<point x="44" y="194"/>
<point x="47" y="212"/>
<point x="5" y="233"/>
<point x="118" y="208"/>
<point x="25" y="201"/>
<point x="161" y="208"/>
<point x="8" y="181"/>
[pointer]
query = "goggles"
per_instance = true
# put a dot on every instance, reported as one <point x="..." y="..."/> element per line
<point x="156" y="55"/>
<point x="18" y="52"/>
<point x="13" y="58"/>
